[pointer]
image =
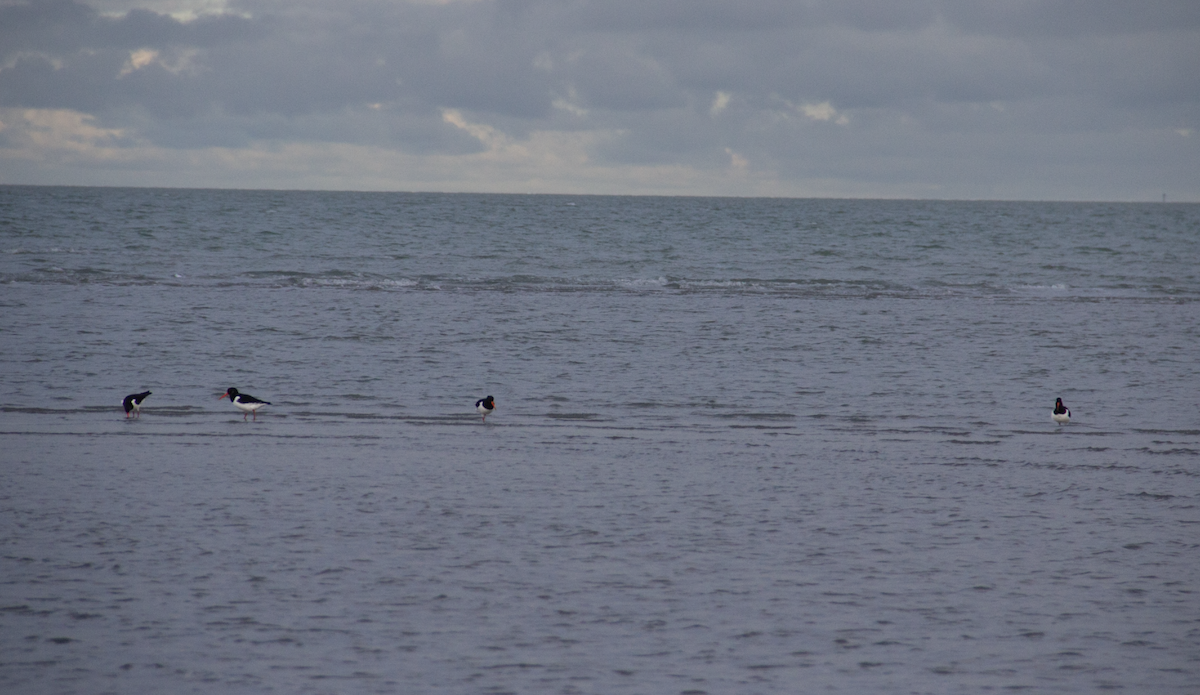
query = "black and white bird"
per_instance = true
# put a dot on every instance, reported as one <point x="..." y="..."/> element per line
<point x="1061" y="412"/>
<point x="245" y="403"/>
<point x="133" y="404"/>
<point x="485" y="406"/>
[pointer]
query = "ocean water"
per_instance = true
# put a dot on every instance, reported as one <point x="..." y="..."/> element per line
<point x="740" y="445"/>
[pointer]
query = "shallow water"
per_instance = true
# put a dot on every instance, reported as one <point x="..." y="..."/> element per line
<point x="740" y="445"/>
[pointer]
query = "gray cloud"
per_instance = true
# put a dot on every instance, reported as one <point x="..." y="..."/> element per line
<point x="968" y="99"/>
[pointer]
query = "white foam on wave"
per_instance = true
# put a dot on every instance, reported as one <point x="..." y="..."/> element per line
<point x="641" y="283"/>
<point x="1059" y="287"/>
<point x="20" y="251"/>
<point x="354" y="283"/>
<point x="404" y="282"/>
<point x="717" y="284"/>
<point x="1064" y="290"/>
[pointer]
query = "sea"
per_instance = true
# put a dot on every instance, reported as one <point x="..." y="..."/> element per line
<point x="740" y="445"/>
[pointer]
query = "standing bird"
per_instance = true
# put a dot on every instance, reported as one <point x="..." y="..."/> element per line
<point x="247" y="404"/>
<point x="1061" y="412"/>
<point x="133" y="404"/>
<point x="485" y="406"/>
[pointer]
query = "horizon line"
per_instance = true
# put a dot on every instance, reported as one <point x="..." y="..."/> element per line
<point x="1155" y="201"/>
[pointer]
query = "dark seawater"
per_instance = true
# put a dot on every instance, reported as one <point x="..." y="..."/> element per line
<point x="740" y="445"/>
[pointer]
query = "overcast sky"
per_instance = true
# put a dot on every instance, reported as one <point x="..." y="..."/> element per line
<point x="997" y="99"/>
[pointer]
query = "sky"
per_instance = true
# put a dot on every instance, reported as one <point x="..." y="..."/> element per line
<point x="930" y="99"/>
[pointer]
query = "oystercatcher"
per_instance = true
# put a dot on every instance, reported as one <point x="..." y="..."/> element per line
<point x="1061" y="412"/>
<point x="133" y="404"/>
<point x="245" y="403"/>
<point x="485" y="406"/>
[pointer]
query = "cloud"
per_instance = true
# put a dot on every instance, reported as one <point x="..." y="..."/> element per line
<point x="570" y="106"/>
<point x="737" y="161"/>
<point x="719" y="103"/>
<point x="59" y="135"/>
<point x="146" y="57"/>
<point x="823" y="111"/>
<point x="137" y="60"/>
<point x="492" y="139"/>
<point x="180" y="10"/>
<point x="933" y="97"/>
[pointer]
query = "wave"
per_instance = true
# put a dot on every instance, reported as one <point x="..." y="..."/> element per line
<point x="815" y="287"/>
